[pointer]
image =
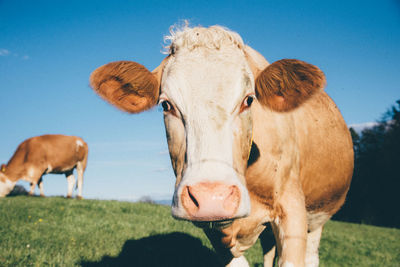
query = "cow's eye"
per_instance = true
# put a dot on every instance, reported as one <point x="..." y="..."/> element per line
<point x="247" y="102"/>
<point x="166" y="105"/>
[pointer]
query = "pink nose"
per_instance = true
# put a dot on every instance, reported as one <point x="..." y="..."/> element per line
<point x="208" y="201"/>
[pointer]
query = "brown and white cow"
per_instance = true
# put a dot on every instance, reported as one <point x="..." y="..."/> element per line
<point x="44" y="154"/>
<point x="254" y="146"/>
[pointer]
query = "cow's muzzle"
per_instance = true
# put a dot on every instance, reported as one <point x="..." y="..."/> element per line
<point x="210" y="201"/>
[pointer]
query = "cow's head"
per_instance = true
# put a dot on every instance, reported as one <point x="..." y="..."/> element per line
<point x="206" y="87"/>
<point x="6" y="185"/>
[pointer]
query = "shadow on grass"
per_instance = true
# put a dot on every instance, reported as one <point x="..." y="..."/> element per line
<point x="174" y="249"/>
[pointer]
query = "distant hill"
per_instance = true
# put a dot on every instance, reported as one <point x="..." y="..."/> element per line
<point x="167" y="202"/>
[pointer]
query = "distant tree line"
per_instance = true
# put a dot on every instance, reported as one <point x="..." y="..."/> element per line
<point x="374" y="193"/>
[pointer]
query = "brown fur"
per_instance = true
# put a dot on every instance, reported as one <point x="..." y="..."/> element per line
<point x="323" y="168"/>
<point x="303" y="162"/>
<point x="285" y="84"/>
<point x="127" y="85"/>
<point x="40" y="151"/>
<point x="36" y="155"/>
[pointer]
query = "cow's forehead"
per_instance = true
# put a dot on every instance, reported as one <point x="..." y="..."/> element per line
<point x="211" y="79"/>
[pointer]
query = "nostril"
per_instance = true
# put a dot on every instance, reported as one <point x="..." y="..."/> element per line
<point x="192" y="197"/>
<point x="232" y="190"/>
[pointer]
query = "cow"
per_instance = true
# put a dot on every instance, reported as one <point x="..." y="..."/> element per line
<point x="36" y="156"/>
<point x="258" y="149"/>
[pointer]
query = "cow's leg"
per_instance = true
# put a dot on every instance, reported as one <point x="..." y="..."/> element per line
<point x="290" y="228"/>
<point x="238" y="262"/>
<point x="32" y="190"/>
<point x="71" y="182"/>
<point x="34" y="175"/>
<point x="313" y="239"/>
<point x="79" y="170"/>
<point x="267" y="240"/>
<point x="40" y="184"/>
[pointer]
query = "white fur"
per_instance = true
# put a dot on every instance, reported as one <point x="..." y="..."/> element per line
<point x="287" y="264"/>
<point x="238" y="262"/>
<point x="71" y="183"/>
<point x="79" y="143"/>
<point x="6" y="186"/>
<point x="213" y="37"/>
<point x="80" y="170"/>
<point x="313" y="240"/>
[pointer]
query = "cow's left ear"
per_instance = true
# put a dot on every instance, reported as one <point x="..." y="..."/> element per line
<point x="128" y="85"/>
<point x="287" y="83"/>
<point x="3" y="168"/>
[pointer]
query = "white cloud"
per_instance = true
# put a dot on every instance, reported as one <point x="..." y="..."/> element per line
<point x="116" y="162"/>
<point x="4" y="52"/>
<point x="162" y="169"/>
<point x="164" y="152"/>
<point x="359" y="127"/>
<point x="127" y="146"/>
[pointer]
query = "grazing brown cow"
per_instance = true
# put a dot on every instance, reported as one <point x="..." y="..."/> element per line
<point x="44" y="154"/>
<point x="254" y="146"/>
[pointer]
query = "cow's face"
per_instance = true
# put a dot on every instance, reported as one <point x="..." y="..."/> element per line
<point x="206" y="96"/>
<point x="206" y="90"/>
<point x="6" y="186"/>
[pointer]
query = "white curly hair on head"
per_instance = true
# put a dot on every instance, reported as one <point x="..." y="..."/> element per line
<point x="213" y="37"/>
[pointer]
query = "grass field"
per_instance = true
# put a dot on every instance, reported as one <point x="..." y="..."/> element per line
<point x="66" y="232"/>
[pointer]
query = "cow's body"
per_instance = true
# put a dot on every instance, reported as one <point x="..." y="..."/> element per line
<point x="313" y="143"/>
<point x="36" y="156"/>
<point x="301" y="160"/>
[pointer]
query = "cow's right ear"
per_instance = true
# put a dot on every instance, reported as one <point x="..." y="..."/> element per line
<point x="287" y="83"/>
<point x="127" y="85"/>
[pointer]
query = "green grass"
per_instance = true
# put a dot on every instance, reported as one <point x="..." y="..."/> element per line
<point x="63" y="232"/>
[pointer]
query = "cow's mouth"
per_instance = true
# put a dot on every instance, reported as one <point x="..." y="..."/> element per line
<point x="214" y="224"/>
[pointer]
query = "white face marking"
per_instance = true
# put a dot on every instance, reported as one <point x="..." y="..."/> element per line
<point x="5" y="185"/>
<point x="207" y="96"/>
<point x="79" y="143"/>
<point x="206" y="80"/>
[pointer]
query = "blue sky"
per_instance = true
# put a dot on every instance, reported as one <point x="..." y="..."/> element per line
<point x="49" y="48"/>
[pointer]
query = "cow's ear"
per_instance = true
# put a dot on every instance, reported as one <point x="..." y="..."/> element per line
<point x="3" y="168"/>
<point x="287" y="83"/>
<point x="127" y="85"/>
